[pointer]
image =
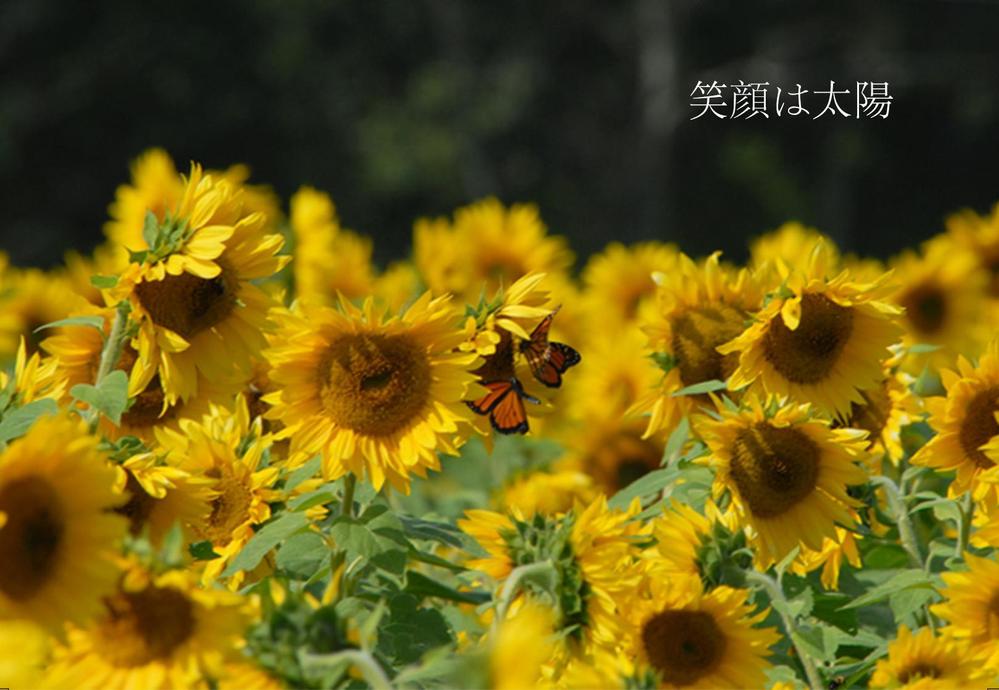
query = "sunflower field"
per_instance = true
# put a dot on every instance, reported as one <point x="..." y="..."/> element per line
<point x="236" y="455"/>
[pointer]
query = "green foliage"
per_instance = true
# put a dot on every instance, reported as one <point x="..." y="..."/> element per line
<point x="109" y="396"/>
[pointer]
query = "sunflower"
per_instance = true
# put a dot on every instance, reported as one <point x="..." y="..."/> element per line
<point x="548" y="493"/>
<point x="192" y="296"/>
<point x="885" y="411"/>
<point x="594" y="551"/>
<point x="971" y="607"/>
<point x="943" y="294"/>
<point x="31" y="379"/>
<point x="979" y="235"/>
<point x="834" y="551"/>
<point x="924" y="661"/>
<point x="160" y="495"/>
<point x="967" y="427"/>
<point x="700" y="308"/>
<point x="614" y="452"/>
<point x="787" y="473"/>
<point x="791" y="243"/>
<point x="376" y="397"/>
<point x="696" y="639"/>
<point x="156" y="632"/>
<point x="523" y="644"/>
<point x="24" y="654"/>
<point x="618" y="284"/>
<point x="397" y="286"/>
<point x="30" y="298"/>
<point x="818" y="340"/>
<point x="228" y="448"/>
<point x="680" y="533"/>
<point x="56" y="528"/>
<point x="246" y="675"/>
<point x="76" y="353"/>
<point x="491" y="245"/>
<point x="328" y="259"/>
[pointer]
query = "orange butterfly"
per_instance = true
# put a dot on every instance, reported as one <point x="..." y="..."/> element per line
<point x="504" y="403"/>
<point x="548" y="360"/>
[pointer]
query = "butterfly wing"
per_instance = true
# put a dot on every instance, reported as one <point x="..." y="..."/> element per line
<point x="504" y="403"/>
<point x="535" y="350"/>
<point x="488" y="402"/>
<point x="561" y="356"/>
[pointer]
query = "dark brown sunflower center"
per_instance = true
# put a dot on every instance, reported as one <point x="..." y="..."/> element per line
<point x="138" y="507"/>
<point x="374" y="384"/>
<point x="920" y="669"/>
<point x="926" y="308"/>
<point x="808" y="353"/>
<point x="873" y="415"/>
<point x="230" y="509"/>
<point x="620" y="459"/>
<point x="30" y="539"/>
<point x="187" y="304"/>
<point x="145" y="626"/>
<point x="683" y="646"/>
<point x="980" y="425"/>
<point x="696" y="334"/>
<point x="774" y="468"/>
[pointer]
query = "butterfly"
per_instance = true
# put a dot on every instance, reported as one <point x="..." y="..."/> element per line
<point x="504" y="403"/>
<point x="548" y="360"/>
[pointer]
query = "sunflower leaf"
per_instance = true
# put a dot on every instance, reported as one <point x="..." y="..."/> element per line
<point x="109" y="396"/>
<point x="701" y="388"/>
<point x="202" y="551"/>
<point x="103" y="282"/>
<point x="91" y="321"/>
<point x="269" y="536"/>
<point x="17" y="421"/>
<point x="905" y="579"/>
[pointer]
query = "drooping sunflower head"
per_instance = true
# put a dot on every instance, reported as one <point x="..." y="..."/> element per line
<point x="158" y="631"/>
<point x="700" y="308"/>
<point x="819" y="339"/>
<point x="885" y="411"/>
<point x="942" y="291"/>
<point x="618" y="286"/>
<point x="192" y="292"/>
<point x="967" y="426"/>
<point x="926" y="661"/>
<point x="696" y="639"/>
<point x="56" y="525"/>
<point x="377" y="397"/>
<point x="328" y="260"/>
<point x="785" y="471"/>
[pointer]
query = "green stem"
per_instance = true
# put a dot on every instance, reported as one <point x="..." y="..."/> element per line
<point x="347" y="502"/>
<point x="110" y="354"/>
<point x="967" y="515"/>
<point x="779" y="602"/>
<point x="906" y="533"/>
<point x="512" y="585"/>
<point x="363" y="661"/>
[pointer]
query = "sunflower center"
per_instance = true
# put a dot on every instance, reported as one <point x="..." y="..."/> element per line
<point x="187" y="304"/>
<point x="230" y="509"/>
<point x="683" y="646"/>
<point x="808" y="353"/>
<point x="145" y="626"/>
<point x="139" y="506"/>
<point x="31" y="537"/>
<point x="696" y="334"/>
<point x="980" y="425"/>
<point x="623" y="458"/>
<point x="920" y="669"/>
<point x="774" y="468"/>
<point x="873" y="415"/>
<point x="926" y="308"/>
<point x="374" y="384"/>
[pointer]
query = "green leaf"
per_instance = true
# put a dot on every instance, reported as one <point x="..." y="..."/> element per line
<point x="677" y="439"/>
<point x="269" y="536"/>
<point x="786" y="562"/>
<point x="151" y="229"/>
<point x="421" y="586"/>
<point x="109" y="396"/>
<point x="202" y="551"/>
<point x="906" y="579"/>
<point x="654" y="481"/>
<point x="907" y="601"/>
<point x="408" y="632"/>
<point x="306" y="471"/>
<point x="103" y="282"/>
<point x="664" y="361"/>
<point x="16" y="422"/>
<point x="701" y="388"/>
<point x="91" y="321"/>
<point x="431" y="530"/>
<point x="376" y="536"/>
<point x="923" y="348"/>
<point x="302" y="554"/>
<point x="313" y="498"/>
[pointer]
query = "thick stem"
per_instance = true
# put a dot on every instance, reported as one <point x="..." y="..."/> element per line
<point x="777" y="596"/>
<point x="512" y="585"/>
<point x="967" y="515"/>
<point x="114" y="344"/>
<point x="906" y="533"/>
<point x="364" y="662"/>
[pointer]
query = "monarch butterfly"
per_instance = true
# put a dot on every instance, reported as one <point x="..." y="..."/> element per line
<point x="548" y="360"/>
<point x="504" y="403"/>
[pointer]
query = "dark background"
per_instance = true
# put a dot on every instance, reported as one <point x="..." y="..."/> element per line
<point x="401" y="108"/>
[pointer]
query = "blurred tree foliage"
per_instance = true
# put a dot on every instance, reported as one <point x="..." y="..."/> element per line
<point x="402" y="108"/>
